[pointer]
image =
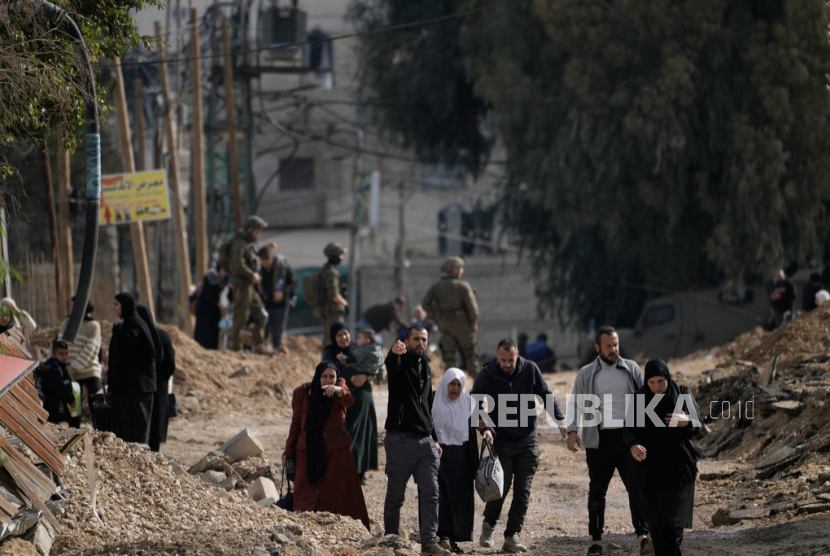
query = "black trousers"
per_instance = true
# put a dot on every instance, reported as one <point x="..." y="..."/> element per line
<point x="519" y="459"/>
<point x="667" y="541"/>
<point x="602" y="461"/>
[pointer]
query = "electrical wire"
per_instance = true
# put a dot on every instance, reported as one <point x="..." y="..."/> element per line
<point x="320" y="41"/>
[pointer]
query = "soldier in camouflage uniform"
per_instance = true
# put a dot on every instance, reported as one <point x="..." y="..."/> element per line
<point x="332" y="306"/>
<point x="244" y="270"/>
<point x="452" y="303"/>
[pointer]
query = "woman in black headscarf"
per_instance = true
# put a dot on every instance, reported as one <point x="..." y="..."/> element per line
<point x="131" y="376"/>
<point x="326" y="478"/>
<point x="361" y="419"/>
<point x="209" y="308"/>
<point x="165" y="367"/>
<point x="665" y="457"/>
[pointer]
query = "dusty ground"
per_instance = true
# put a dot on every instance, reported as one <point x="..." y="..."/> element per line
<point x="556" y="521"/>
<point x="216" y="405"/>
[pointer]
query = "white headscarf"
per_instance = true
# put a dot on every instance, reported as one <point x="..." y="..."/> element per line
<point x="452" y="418"/>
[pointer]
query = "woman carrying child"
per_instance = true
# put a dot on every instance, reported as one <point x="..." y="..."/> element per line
<point x="356" y="363"/>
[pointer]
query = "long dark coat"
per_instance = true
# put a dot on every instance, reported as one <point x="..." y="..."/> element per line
<point x="339" y="492"/>
<point x="161" y="405"/>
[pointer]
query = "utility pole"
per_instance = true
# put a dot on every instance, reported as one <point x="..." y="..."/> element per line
<point x="401" y="251"/>
<point x="197" y="157"/>
<point x="64" y="185"/>
<point x="142" y="266"/>
<point x="53" y="225"/>
<point x="353" y="244"/>
<point x="233" y="154"/>
<point x="179" y="231"/>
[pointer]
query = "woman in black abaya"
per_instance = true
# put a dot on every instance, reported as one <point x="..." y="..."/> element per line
<point x="131" y="375"/>
<point x="666" y="456"/>
<point x="165" y="366"/>
<point x="361" y="419"/>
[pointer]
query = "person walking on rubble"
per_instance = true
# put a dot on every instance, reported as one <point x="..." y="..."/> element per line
<point x="131" y="373"/>
<point x="278" y="287"/>
<point x="84" y="365"/>
<point x="411" y="442"/>
<point x="452" y="303"/>
<point x="610" y="378"/>
<point x="665" y="457"/>
<point x="245" y="276"/>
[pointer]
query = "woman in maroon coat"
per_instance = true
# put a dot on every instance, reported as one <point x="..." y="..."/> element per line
<point x="326" y="479"/>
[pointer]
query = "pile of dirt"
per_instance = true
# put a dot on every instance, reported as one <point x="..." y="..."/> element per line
<point x="145" y="508"/>
<point x="767" y="408"/>
<point x="203" y="378"/>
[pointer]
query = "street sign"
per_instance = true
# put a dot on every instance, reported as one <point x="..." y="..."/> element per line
<point x="136" y="197"/>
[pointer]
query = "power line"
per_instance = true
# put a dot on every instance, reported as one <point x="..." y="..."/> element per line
<point x="318" y="41"/>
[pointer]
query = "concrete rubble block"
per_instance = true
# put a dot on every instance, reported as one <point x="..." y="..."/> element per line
<point x="42" y="536"/>
<point x="267" y="502"/>
<point x="176" y="469"/>
<point x="263" y="488"/>
<point x="199" y="467"/>
<point x="243" y="445"/>
<point x="228" y="484"/>
<point x="727" y="517"/>
<point x="212" y="477"/>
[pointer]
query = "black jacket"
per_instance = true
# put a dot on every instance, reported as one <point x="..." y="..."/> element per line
<point x="270" y="283"/>
<point x="132" y="358"/>
<point x="55" y="387"/>
<point x="410" y="394"/>
<point x="526" y="378"/>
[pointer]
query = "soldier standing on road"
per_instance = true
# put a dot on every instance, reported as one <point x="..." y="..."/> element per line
<point x="244" y="268"/>
<point x="332" y="306"/>
<point x="452" y="303"/>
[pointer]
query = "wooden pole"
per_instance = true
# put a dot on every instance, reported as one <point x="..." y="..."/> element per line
<point x="142" y="267"/>
<point x="53" y="224"/>
<point x="197" y="162"/>
<point x="64" y="185"/>
<point x="140" y="163"/>
<point x="182" y="251"/>
<point x="233" y="155"/>
<point x="401" y="254"/>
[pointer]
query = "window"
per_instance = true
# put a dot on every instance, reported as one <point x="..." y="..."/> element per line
<point x="658" y="315"/>
<point x="297" y="175"/>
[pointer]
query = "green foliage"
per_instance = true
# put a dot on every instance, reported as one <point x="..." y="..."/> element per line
<point x="415" y="80"/>
<point x="42" y="87"/>
<point x="688" y="140"/>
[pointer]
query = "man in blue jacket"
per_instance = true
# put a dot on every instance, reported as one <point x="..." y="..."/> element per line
<point x="511" y="381"/>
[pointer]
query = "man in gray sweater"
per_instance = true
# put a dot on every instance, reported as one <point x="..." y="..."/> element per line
<point x="609" y="379"/>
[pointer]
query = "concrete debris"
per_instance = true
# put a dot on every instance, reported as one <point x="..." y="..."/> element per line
<point x="244" y="371"/>
<point x="263" y="488"/>
<point x="42" y="536"/>
<point x="242" y="446"/>
<point x="212" y="477"/>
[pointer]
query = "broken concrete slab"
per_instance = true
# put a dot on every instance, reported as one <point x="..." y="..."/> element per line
<point x="177" y="469"/>
<point x="242" y="446"/>
<point x="267" y="502"/>
<point x="813" y="508"/>
<point x="263" y="488"/>
<point x="42" y="536"/>
<point x="731" y="517"/>
<point x="212" y="477"/>
<point x="228" y="484"/>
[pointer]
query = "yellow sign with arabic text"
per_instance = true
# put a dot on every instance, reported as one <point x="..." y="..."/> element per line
<point x="136" y="197"/>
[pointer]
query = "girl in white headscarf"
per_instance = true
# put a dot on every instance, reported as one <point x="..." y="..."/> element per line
<point x="451" y="410"/>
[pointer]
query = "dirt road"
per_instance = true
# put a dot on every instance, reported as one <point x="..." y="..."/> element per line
<point x="556" y="521"/>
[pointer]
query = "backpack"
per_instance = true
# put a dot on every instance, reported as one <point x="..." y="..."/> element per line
<point x="224" y="261"/>
<point x="310" y="288"/>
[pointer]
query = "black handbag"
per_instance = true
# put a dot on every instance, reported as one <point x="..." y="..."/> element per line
<point x="286" y="501"/>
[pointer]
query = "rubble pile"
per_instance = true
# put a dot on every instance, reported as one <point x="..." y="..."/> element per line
<point x="147" y="503"/>
<point x="209" y="380"/>
<point x="767" y="409"/>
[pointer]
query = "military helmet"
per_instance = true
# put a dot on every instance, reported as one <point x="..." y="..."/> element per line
<point x="334" y="250"/>
<point x="255" y="222"/>
<point x="451" y="264"/>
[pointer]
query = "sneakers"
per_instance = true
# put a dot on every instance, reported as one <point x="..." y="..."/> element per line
<point x="432" y="547"/>
<point x="263" y="350"/>
<point x="513" y="544"/>
<point x="444" y="542"/>
<point x="646" y="547"/>
<point x="486" y="538"/>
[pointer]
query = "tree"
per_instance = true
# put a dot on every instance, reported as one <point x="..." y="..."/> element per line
<point x="414" y="80"/>
<point x="669" y="143"/>
<point x="40" y="89"/>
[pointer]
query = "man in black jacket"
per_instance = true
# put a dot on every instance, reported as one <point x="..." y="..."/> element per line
<point x="516" y="437"/>
<point x="55" y="385"/>
<point x="411" y="445"/>
<point x="277" y="287"/>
